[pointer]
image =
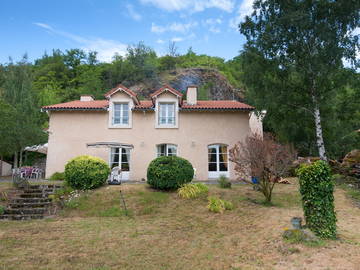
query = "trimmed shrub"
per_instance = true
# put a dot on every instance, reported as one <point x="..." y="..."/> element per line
<point x="189" y="191"/>
<point x="86" y="172"/>
<point x="224" y="182"/>
<point x="316" y="188"/>
<point x="57" y="176"/>
<point x="168" y="173"/>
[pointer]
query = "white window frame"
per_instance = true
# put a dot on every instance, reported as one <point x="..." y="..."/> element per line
<point x="125" y="174"/>
<point x="112" y="111"/>
<point x="216" y="174"/>
<point x="158" y="113"/>
<point x="167" y="146"/>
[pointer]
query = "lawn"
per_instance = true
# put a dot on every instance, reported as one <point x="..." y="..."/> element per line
<point x="163" y="231"/>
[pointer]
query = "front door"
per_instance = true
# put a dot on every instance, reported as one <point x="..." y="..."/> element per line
<point x="121" y="157"/>
<point x="217" y="161"/>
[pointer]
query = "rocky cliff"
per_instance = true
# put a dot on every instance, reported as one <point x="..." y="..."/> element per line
<point x="212" y="84"/>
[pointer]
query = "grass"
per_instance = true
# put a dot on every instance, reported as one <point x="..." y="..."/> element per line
<point x="165" y="231"/>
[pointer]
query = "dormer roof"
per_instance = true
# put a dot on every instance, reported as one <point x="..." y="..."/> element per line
<point x="121" y="88"/>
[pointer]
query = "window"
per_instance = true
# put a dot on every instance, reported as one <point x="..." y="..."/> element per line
<point x="166" y="114"/>
<point x="166" y="150"/>
<point x="120" y="157"/>
<point x="120" y="114"/>
<point x="217" y="160"/>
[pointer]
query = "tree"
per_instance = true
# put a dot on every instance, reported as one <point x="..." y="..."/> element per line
<point x="304" y="42"/>
<point x="26" y="121"/>
<point x="262" y="158"/>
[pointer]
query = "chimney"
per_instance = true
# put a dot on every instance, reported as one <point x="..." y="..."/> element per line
<point x="86" y="98"/>
<point x="191" y="95"/>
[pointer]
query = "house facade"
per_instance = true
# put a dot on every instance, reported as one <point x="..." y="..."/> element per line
<point x="130" y="133"/>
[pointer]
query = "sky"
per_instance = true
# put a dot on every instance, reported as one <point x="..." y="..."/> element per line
<point x="109" y="26"/>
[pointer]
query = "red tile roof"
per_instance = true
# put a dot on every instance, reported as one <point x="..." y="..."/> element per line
<point x="79" y="105"/>
<point x="217" y="105"/>
<point x="164" y="88"/>
<point x="148" y="104"/>
<point x="145" y="104"/>
<point x="116" y="88"/>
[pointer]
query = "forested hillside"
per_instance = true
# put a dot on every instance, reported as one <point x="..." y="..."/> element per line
<point x="62" y="76"/>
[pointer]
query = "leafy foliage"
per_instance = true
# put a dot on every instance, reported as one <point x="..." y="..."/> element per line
<point x="293" y="66"/>
<point x="2" y="209"/>
<point x="263" y="158"/>
<point x="317" y="188"/>
<point x="57" y="176"/>
<point x="169" y="172"/>
<point x="189" y="191"/>
<point x="217" y="205"/>
<point x="86" y="172"/>
<point x="224" y="182"/>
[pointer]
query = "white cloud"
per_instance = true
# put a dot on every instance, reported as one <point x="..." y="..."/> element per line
<point x="245" y="8"/>
<point x="132" y="13"/>
<point x="106" y="48"/>
<point x="177" y="39"/>
<point x="212" y="21"/>
<point x="44" y="25"/>
<point x="214" y="29"/>
<point x="173" y="27"/>
<point x="160" y="41"/>
<point x="192" y="5"/>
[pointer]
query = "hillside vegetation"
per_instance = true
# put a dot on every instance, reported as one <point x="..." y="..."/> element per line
<point x="63" y="76"/>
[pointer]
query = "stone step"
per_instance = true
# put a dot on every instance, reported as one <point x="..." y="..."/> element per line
<point x="30" y="200"/>
<point x="33" y="195"/>
<point x="21" y="217"/>
<point x="25" y="211"/>
<point x="29" y="205"/>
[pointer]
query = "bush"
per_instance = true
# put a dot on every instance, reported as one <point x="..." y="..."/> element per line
<point x="217" y="205"/>
<point x="86" y="172"/>
<point x="224" y="182"/>
<point x="188" y="191"/>
<point x="2" y="209"/>
<point x="316" y="188"/>
<point x="57" y="176"/>
<point x="167" y="173"/>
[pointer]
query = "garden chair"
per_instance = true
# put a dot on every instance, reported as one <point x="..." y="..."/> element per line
<point x="35" y="173"/>
<point x="115" y="176"/>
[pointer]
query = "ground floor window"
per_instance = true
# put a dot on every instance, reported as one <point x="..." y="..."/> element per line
<point x="217" y="160"/>
<point x="166" y="150"/>
<point x="120" y="157"/>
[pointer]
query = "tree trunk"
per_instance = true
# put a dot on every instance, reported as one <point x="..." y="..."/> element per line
<point x="318" y="128"/>
<point x="15" y="159"/>
<point x="21" y="158"/>
<point x="1" y="164"/>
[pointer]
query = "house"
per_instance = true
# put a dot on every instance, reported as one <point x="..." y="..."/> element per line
<point x="128" y="132"/>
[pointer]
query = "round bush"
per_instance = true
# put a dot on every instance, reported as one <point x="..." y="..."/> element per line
<point x="86" y="172"/>
<point x="167" y="173"/>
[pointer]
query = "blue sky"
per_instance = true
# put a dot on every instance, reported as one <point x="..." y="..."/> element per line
<point x="108" y="26"/>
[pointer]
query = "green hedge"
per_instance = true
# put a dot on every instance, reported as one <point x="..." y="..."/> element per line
<point x="317" y="188"/>
<point x="168" y="173"/>
<point x="86" y="172"/>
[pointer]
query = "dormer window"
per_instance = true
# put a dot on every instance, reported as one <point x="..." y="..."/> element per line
<point x="167" y="113"/>
<point x="120" y="114"/>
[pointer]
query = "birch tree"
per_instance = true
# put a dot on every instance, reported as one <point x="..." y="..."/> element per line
<point x="308" y="40"/>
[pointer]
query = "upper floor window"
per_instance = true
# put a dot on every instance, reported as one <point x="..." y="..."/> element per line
<point x="166" y="113"/>
<point x="166" y="150"/>
<point x="120" y="114"/>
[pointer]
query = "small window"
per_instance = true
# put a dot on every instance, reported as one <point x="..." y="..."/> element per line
<point x="120" y="157"/>
<point x="166" y="150"/>
<point x="120" y="114"/>
<point x="166" y="113"/>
